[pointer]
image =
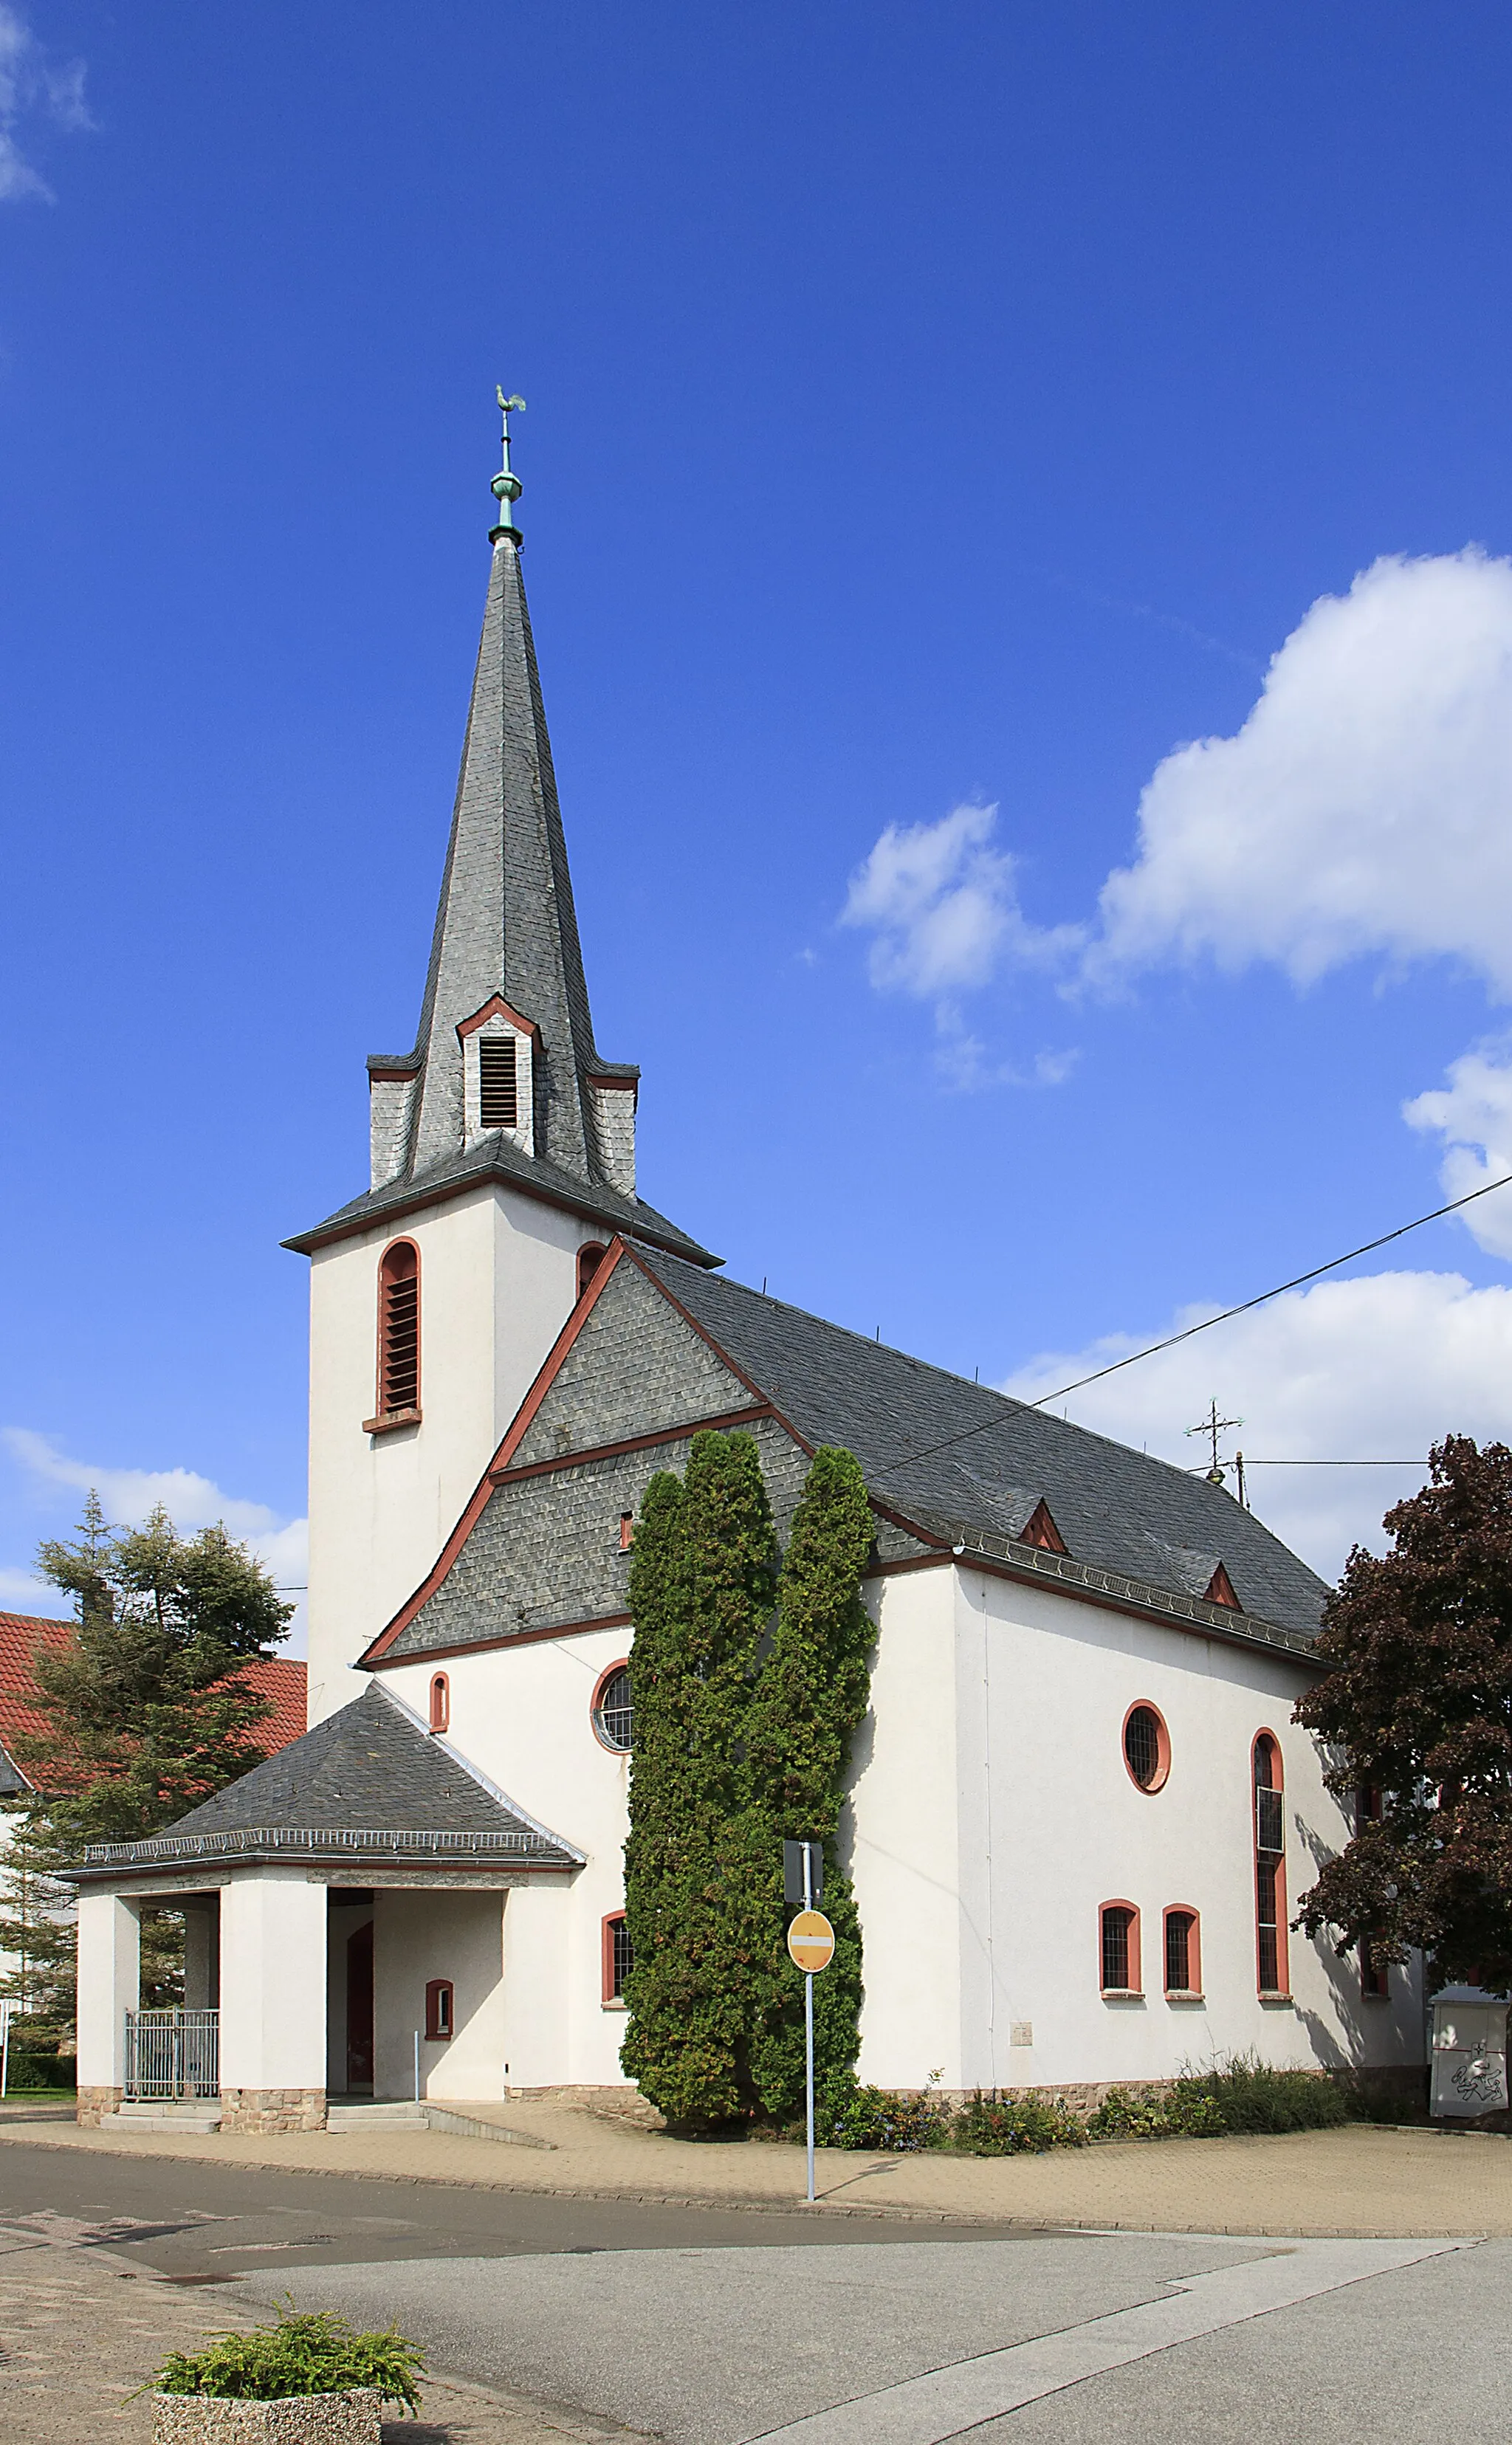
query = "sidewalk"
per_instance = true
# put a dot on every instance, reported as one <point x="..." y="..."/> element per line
<point x="1359" y="2182"/>
<point x="79" y="2330"/>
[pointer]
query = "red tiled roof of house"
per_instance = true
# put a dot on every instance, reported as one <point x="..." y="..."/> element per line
<point x="22" y="1634"/>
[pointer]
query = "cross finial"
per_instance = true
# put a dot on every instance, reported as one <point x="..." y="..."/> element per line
<point x="506" y="486"/>
<point x="1212" y="1427"/>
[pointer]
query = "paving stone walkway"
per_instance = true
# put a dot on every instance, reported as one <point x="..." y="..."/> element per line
<point x="80" y="2331"/>
<point x="1357" y="2182"/>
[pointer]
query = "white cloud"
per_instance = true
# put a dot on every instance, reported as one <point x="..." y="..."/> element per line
<point x="1364" y="808"/>
<point x="943" y="906"/>
<point x="1474" y="1116"/>
<point x="30" y="82"/>
<point x="1375" y="1368"/>
<point x="190" y="1502"/>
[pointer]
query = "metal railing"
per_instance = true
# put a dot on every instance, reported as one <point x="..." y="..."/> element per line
<point x="172" y="2054"/>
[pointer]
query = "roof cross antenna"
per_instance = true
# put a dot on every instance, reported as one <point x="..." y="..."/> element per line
<point x="506" y="487"/>
<point x="1213" y="1426"/>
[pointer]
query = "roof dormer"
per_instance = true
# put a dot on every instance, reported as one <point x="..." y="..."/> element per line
<point x="499" y="1060"/>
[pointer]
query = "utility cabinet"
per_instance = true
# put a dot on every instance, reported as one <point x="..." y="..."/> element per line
<point x="1468" y="2052"/>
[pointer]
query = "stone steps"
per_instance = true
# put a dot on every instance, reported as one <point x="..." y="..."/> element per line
<point x="401" y="2114"/>
<point x="203" y="2115"/>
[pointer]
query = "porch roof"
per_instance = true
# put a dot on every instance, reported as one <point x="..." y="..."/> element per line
<point x="367" y="1786"/>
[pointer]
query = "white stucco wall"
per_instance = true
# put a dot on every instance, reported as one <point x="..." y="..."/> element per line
<point x="1053" y="1826"/>
<point x="991" y="1815"/>
<point x="418" y="1936"/>
<point x="522" y="1714"/>
<point x="272" y="1980"/>
<point x="498" y="1280"/>
<point x="109" y="1942"/>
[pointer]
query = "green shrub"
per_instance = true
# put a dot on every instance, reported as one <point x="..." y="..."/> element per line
<point x="25" y="2072"/>
<point x="849" y="2116"/>
<point x="1013" y="2126"/>
<point x="298" y="2354"/>
<point x="1254" y="2097"/>
<point x="1186" y="2112"/>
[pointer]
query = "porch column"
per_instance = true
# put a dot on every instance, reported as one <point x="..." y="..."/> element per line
<point x="272" y="2001"/>
<point x="109" y="1955"/>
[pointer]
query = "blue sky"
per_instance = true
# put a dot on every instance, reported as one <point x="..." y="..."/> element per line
<point x="931" y="410"/>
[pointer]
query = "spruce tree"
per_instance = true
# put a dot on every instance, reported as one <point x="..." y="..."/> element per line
<point x="703" y="1579"/>
<point x="146" y="1717"/>
<point x="813" y="1692"/>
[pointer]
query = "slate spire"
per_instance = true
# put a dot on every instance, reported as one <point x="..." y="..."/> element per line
<point x="506" y="926"/>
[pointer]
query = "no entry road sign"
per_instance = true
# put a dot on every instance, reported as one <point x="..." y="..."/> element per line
<point x="811" y="1941"/>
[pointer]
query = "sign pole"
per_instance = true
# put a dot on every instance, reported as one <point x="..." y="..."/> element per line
<point x="808" y="2012"/>
<point x="811" y="1949"/>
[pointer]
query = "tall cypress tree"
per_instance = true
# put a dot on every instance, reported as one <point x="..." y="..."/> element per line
<point x="813" y="1692"/>
<point x="703" y="1584"/>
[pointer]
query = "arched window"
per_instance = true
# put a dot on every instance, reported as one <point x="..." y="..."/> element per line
<point x="439" y="2001"/>
<point x="1118" y="1949"/>
<point x="1270" y="1866"/>
<point x="398" y="1333"/>
<point x="1147" y="1746"/>
<point x="1184" y="1953"/>
<point x="613" y="1713"/>
<point x="441" y="1702"/>
<point x="618" y="1958"/>
<point x="588" y="1261"/>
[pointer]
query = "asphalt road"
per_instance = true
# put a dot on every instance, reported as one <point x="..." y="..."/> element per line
<point x="203" y="2223"/>
<point x="715" y="2328"/>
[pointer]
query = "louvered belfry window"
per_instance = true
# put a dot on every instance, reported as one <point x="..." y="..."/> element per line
<point x="398" y="1330"/>
<point x="497" y="1083"/>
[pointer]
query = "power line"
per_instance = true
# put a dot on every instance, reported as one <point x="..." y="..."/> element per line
<point x="926" y="1451"/>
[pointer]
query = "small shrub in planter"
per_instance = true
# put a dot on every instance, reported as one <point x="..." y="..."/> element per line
<point x="305" y="2380"/>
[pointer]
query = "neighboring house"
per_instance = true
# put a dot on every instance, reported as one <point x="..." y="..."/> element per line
<point x="22" y="1635"/>
<point x="1080" y="1813"/>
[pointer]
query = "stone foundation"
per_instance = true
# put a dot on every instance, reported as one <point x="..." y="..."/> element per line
<point x="616" y="2105"/>
<point x="272" y="2109"/>
<point x="94" y="2104"/>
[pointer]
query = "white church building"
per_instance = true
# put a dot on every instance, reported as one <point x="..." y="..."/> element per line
<point x="1080" y="1813"/>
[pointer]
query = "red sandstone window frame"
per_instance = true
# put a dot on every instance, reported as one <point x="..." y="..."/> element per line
<point x="1158" y="1780"/>
<point x="616" y="1748"/>
<point x="614" y="1974"/>
<point x="1191" y="1992"/>
<point x="440" y="1695"/>
<point x="1133" y="1964"/>
<point x="590" y="1258"/>
<point x="393" y="1275"/>
<point x="441" y="2010"/>
<point x="1271" y="1863"/>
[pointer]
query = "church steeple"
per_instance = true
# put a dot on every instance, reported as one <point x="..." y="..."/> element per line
<point x="504" y="1076"/>
<point x="506" y="928"/>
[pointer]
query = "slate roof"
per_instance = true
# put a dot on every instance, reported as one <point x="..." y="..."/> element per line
<point x="499" y="1158"/>
<point x="1118" y="1510"/>
<point x="505" y="924"/>
<point x="366" y="1785"/>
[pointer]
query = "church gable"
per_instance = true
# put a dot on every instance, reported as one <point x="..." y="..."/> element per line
<point x="544" y="1546"/>
<point x="634" y="1366"/>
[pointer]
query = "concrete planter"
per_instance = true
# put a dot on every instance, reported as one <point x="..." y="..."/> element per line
<point x="349" y="2418"/>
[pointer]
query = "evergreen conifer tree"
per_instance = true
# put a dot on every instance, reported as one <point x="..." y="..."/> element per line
<point x="811" y="1693"/>
<point x="146" y="1717"/>
<point x="703" y="1579"/>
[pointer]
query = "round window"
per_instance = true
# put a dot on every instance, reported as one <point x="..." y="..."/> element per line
<point x="1147" y="1748"/>
<point x="613" y="1716"/>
